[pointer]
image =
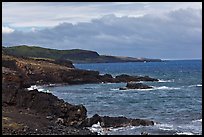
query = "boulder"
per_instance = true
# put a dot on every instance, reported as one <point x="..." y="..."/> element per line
<point x="134" y="85"/>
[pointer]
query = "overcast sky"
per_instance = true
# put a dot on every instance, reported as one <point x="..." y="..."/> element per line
<point x="166" y="30"/>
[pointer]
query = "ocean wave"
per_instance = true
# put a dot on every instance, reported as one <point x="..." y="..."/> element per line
<point x="199" y="120"/>
<point x="149" y="89"/>
<point x="166" y="88"/>
<point x="197" y="85"/>
<point x="162" y="81"/>
<point x="115" y="89"/>
<point x="98" y="129"/>
<point x="184" y="133"/>
<point x="166" y="127"/>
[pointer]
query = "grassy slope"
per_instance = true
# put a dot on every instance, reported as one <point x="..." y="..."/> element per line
<point x="74" y="55"/>
<point x="34" y="51"/>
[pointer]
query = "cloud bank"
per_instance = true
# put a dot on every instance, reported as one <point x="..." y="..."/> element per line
<point x="176" y="34"/>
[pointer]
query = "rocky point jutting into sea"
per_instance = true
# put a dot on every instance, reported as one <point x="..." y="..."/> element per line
<point x="34" y="112"/>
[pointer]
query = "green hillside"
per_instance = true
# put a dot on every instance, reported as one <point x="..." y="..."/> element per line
<point x="39" y="52"/>
<point x="74" y="55"/>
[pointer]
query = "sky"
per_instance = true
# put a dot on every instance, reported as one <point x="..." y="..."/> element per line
<point x="165" y="30"/>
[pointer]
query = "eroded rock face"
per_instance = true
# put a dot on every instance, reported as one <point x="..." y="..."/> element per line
<point x="42" y="71"/>
<point x="107" y="121"/>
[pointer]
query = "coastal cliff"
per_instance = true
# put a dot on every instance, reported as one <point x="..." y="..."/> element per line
<point x="49" y="114"/>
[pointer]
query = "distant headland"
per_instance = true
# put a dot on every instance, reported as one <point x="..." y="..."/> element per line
<point x="74" y="55"/>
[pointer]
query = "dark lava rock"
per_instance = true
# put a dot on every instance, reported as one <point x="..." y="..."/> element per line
<point x="107" y="121"/>
<point x="107" y="78"/>
<point x="128" y="78"/>
<point x="134" y="85"/>
<point x="147" y="78"/>
<point x="45" y="103"/>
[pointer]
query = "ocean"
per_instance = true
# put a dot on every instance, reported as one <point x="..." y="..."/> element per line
<point x="175" y="102"/>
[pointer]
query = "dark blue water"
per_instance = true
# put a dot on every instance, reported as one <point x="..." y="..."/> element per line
<point x="175" y="101"/>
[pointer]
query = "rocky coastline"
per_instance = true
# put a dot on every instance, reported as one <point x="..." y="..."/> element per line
<point x="34" y="112"/>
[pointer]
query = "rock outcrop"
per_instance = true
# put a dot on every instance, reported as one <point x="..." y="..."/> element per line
<point x="46" y="104"/>
<point x="134" y="85"/>
<point x="43" y="71"/>
<point x="106" y="121"/>
<point x="128" y="78"/>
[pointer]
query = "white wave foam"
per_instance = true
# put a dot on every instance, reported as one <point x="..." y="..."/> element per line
<point x="198" y="85"/>
<point x="149" y="89"/>
<point x="114" y="89"/>
<point x="199" y="120"/>
<point x="166" y="88"/>
<point x="161" y="80"/>
<point x="185" y="133"/>
<point x="166" y="127"/>
<point x="33" y="87"/>
<point x="39" y="88"/>
<point x="97" y="128"/>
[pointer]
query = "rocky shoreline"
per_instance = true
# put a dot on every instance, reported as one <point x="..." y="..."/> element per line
<point x="34" y="112"/>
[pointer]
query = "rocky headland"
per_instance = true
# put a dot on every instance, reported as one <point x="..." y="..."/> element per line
<point x="34" y="112"/>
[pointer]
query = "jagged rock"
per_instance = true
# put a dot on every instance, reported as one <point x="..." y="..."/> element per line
<point x="107" y="121"/>
<point x="45" y="103"/>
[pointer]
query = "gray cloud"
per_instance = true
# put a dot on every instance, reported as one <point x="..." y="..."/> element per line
<point x="174" y="35"/>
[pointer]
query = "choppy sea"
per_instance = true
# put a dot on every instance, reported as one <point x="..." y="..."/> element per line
<point x="175" y="102"/>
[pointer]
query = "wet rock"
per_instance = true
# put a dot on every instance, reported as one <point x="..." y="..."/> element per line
<point x="133" y="85"/>
<point x="107" y="121"/>
<point x="144" y="133"/>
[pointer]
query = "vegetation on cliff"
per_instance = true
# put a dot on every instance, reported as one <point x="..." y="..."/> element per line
<point x="74" y="55"/>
